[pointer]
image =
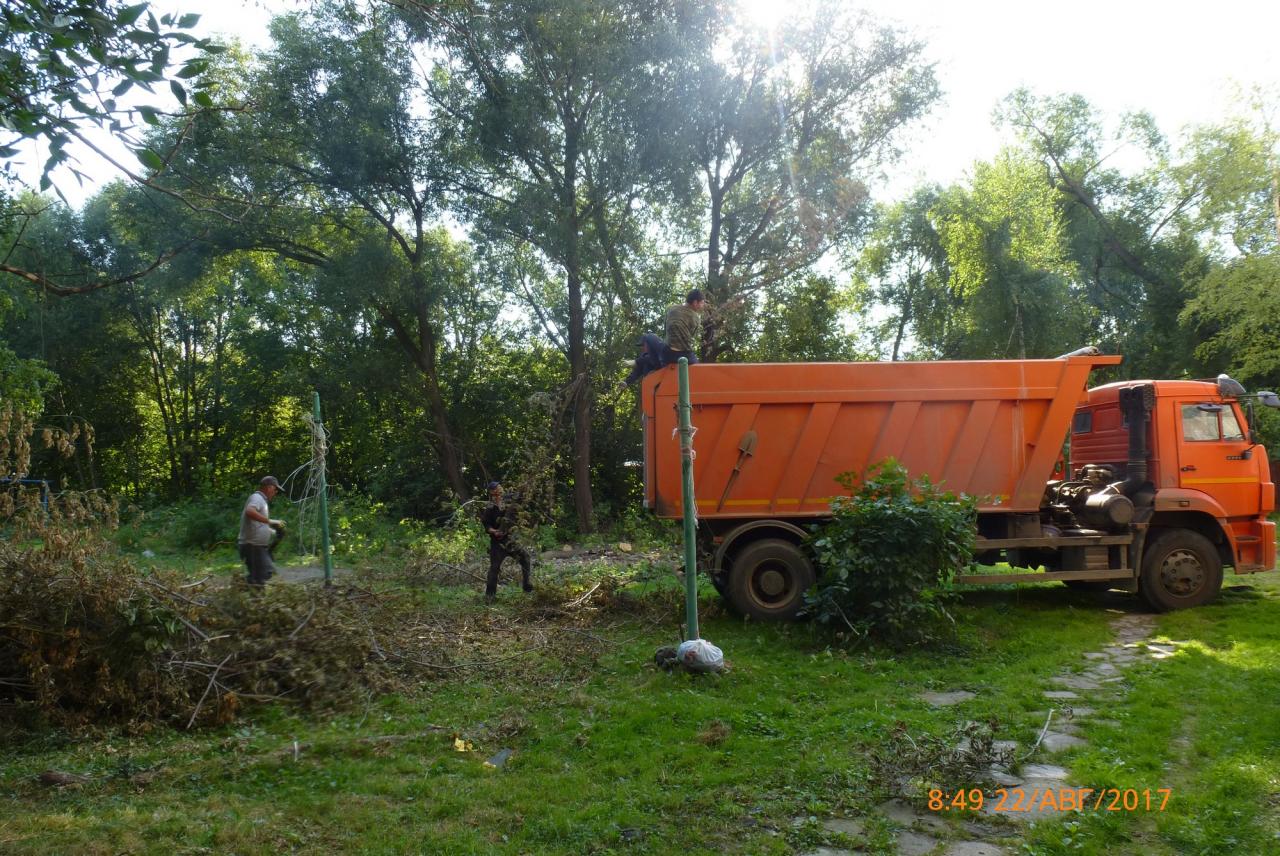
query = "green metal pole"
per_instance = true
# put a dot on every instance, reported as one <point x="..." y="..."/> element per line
<point x="690" y="506"/>
<point x="324" y="504"/>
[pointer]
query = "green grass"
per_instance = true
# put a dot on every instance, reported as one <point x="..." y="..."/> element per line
<point x="608" y="756"/>
<point x="1204" y="723"/>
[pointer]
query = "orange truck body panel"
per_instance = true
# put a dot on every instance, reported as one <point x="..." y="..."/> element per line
<point x="991" y="429"/>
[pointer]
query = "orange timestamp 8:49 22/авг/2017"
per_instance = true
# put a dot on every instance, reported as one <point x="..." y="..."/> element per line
<point x="1050" y="799"/>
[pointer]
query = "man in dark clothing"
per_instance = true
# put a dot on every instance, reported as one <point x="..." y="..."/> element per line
<point x="684" y="329"/>
<point x="650" y="359"/>
<point x="501" y="544"/>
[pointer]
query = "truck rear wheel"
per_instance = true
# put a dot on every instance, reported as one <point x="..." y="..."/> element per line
<point x="1180" y="569"/>
<point x="768" y="580"/>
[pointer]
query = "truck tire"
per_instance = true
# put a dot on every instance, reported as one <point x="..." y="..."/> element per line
<point x="1180" y="569"/>
<point x="768" y="580"/>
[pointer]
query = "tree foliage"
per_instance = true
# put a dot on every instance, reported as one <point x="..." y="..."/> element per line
<point x="786" y="128"/>
<point x="67" y="65"/>
<point x="454" y="221"/>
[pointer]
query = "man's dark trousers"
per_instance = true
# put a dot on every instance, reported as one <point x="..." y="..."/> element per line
<point x="257" y="560"/>
<point x="499" y="550"/>
<point x="670" y="357"/>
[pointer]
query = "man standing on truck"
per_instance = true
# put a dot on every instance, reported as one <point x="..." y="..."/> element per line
<point x="684" y="328"/>
<point x="497" y="522"/>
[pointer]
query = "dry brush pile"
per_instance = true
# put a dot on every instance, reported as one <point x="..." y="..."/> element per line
<point x="87" y="638"/>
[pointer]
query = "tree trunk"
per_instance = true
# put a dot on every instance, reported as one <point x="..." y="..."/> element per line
<point x="905" y="318"/>
<point x="215" y="409"/>
<point x="1275" y="199"/>
<point x="422" y="353"/>
<point x="897" y="339"/>
<point x="187" y="380"/>
<point x="582" y="500"/>
<point x="448" y="451"/>
<point x="159" y="375"/>
<point x="710" y="349"/>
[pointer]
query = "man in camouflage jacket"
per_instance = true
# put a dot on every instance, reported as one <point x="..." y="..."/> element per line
<point x="684" y="329"/>
<point x="497" y="522"/>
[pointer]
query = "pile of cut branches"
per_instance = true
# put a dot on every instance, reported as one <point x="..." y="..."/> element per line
<point x="910" y="764"/>
<point x="86" y="638"/>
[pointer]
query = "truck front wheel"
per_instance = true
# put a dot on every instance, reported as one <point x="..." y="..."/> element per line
<point x="1180" y="568"/>
<point x="768" y="579"/>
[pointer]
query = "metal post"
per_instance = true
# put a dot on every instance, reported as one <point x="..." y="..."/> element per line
<point x="690" y="506"/>
<point x="324" y="503"/>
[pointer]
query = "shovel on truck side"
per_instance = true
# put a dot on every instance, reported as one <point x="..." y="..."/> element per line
<point x="746" y="448"/>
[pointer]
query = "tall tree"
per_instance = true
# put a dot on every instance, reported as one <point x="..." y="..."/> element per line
<point x="342" y="157"/>
<point x="1127" y="227"/>
<point x="1234" y="168"/>
<point x="903" y="282"/>
<point x="786" y="126"/>
<point x="1008" y="257"/>
<point x="552" y="100"/>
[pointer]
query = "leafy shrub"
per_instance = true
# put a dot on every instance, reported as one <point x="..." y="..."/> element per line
<point x="888" y="553"/>
<point x="203" y="524"/>
<point x="203" y="527"/>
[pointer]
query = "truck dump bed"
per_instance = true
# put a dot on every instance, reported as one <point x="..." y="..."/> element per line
<point x="992" y="429"/>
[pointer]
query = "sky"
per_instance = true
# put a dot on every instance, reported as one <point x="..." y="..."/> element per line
<point x="1180" y="60"/>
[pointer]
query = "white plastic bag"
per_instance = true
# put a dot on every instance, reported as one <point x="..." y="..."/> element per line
<point x="699" y="655"/>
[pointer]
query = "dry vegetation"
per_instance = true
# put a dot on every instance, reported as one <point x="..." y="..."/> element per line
<point x="87" y="638"/>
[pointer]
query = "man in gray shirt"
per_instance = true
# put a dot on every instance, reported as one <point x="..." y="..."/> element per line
<point x="256" y="532"/>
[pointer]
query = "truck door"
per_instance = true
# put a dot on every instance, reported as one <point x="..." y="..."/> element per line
<point x="1211" y="456"/>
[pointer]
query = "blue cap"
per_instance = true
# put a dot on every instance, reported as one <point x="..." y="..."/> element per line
<point x="493" y="485"/>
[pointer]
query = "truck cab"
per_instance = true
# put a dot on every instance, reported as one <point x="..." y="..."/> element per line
<point x="1211" y="480"/>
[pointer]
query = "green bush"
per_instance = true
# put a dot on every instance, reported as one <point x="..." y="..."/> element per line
<point x="203" y="526"/>
<point x="888" y="554"/>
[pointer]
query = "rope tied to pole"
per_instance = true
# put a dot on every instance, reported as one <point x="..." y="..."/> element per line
<point x="308" y="504"/>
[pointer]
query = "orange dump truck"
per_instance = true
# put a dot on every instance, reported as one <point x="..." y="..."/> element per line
<point x="1165" y="485"/>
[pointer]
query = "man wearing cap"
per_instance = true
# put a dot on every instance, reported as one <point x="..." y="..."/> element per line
<point x="256" y="532"/>
<point x="501" y="544"/>
<point x="684" y="329"/>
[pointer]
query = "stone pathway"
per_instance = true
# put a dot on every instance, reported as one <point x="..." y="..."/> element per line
<point x="923" y="833"/>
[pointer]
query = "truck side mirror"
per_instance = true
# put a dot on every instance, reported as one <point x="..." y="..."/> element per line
<point x="1269" y="399"/>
